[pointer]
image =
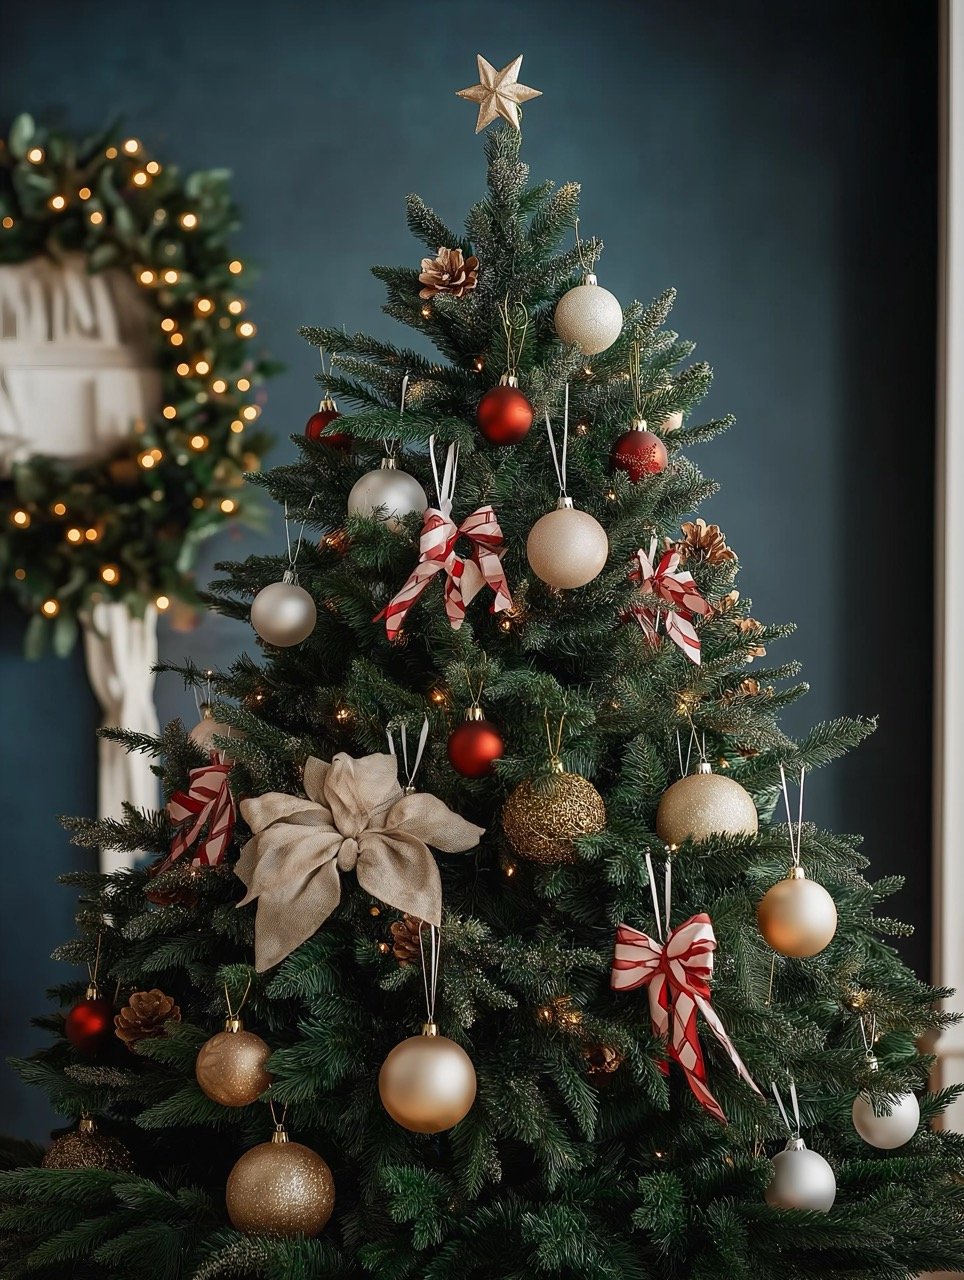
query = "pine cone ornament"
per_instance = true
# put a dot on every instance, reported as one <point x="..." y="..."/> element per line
<point x="702" y="541"/>
<point x="144" y="1016"/>
<point x="750" y="628"/>
<point x="405" y="946"/>
<point x="448" y="272"/>
<point x="748" y="688"/>
<point x="601" y="1060"/>
<point x="726" y="604"/>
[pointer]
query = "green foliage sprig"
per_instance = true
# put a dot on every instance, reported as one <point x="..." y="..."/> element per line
<point x="128" y="526"/>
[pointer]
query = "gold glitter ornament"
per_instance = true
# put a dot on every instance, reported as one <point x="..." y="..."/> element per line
<point x="280" y="1188"/>
<point x="88" y="1148"/>
<point x="542" y="818"/>
<point x="231" y="1068"/>
<point x="705" y="804"/>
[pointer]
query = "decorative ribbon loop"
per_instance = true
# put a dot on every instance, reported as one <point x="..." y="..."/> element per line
<point x="677" y="975"/>
<point x="206" y="808"/>
<point x="677" y="588"/>
<point x="354" y="816"/>
<point x="464" y="578"/>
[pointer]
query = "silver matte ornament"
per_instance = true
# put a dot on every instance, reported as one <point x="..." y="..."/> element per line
<point x="886" y="1132"/>
<point x="567" y="548"/>
<point x="387" y="494"/>
<point x="802" y="1179"/>
<point x="589" y="316"/>
<point x="283" y="613"/>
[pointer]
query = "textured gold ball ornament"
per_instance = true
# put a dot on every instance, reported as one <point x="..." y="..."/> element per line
<point x="88" y="1148"/>
<point x="427" y="1083"/>
<point x="797" y="916"/>
<point x="542" y="818"/>
<point x="705" y="804"/>
<point x="280" y="1188"/>
<point x="230" y="1067"/>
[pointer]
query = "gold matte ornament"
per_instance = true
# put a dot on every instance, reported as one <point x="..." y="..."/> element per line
<point x="280" y="1188"/>
<point x="427" y="1083"/>
<point x="541" y="819"/>
<point x="88" y="1148"/>
<point x="797" y="917"/>
<point x="705" y="804"/>
<point x="231" y="1068"/>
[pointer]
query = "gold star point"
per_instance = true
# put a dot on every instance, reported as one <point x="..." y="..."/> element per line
<point x="498" y="93"/>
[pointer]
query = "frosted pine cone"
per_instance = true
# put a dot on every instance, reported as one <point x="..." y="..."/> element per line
<point x="601" y="1060"/>
<point x="448" y="272"/>
<point x="144" y="1016"/>
<point x="702" y="541"/>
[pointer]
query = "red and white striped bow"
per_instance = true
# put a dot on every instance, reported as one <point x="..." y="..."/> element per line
<point x="464" y="578"/>
<point x="677" y="975"/>
<point x="677" y="587"/>
<point x="204" y="815"/>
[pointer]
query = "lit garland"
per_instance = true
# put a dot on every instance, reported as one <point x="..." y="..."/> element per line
<point x="128" y="526"/>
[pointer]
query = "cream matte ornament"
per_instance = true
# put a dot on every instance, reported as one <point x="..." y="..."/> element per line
<point x="280" y="1188"/>
<point x="207" y="728"/>
<point x="797" y="917"/>
<point x="387" y="494"/>
<point x="283" y="614"/>
<point x="886" y="1132"/>
<point x="498" y="93"/>
<point x="802" y="1179"/>
<point x="231" y="1066"/>
<point x="703" y="805"/>
<point x="427" y="1083"/>
<point x="567" y="548"/>
<point x="589" y="317"/>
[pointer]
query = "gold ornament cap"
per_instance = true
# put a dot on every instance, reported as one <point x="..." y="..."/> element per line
<point x="389" y="463"/>
<point x="429" y="1029"/>
<point x="796" y="872"/>
<point x="638" y="424"/>
<point x="474" y="712"/>
<point x="280" y="1134"/>
<point x="590" y="278"/>
<point x="564" y="502"/>
<point x="87" y="1125"/>
<point x="233" y="1024"/>
<point x="327" y="404"/>
<point x="508" y="380"/>
<point x="92" y="992"/>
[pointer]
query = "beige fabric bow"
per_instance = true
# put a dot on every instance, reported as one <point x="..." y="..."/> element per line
<point x="355" y="818"/>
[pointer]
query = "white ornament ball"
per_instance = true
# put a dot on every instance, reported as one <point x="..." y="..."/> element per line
<point x="802" y="1179"/>
<point x="567" y="548"/>
<point x="207" y="727"/>
<point x="887" y="1132"/>
<point x="387" y="494"/>
<point x="283" y="614"/>
<point x="703" y="805"/>
<point x="427" y="1083"/>
<point x="589" y="316"/>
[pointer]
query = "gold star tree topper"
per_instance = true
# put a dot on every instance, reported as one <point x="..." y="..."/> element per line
<point x="498" y="93"/>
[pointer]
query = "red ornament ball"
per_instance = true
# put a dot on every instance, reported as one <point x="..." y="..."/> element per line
<point x="504" y="415"/>
<point x="316" y="428"/>
<point x="639" y="453"/>
<point x="474" y="747"/>
<point x="90" y="1024"/>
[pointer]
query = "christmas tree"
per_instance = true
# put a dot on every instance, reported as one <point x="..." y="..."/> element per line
<point x="468" y="983"/>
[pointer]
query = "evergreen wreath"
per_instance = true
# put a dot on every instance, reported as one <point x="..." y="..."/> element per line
<point x="128" y="526"/>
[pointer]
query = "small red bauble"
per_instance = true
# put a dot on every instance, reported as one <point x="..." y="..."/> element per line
<point x="475" y="745"/>
<point x="504" y="414"/>
<point x="316" y="428"/>
<point x="90" y="1024"/>
<point x="639" y="453"/>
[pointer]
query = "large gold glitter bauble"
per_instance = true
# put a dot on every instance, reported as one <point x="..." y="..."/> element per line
<point x="797" y="916"/>
<point x="280" y="1188"/>
<point x="542" y="818"/>
<point x="230" y="1067"/>
<point x="705" y="804"/>
<point x="427" y="1083"/>
<point x="88" y="1148"/>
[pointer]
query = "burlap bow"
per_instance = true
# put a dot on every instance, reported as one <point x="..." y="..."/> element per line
<point x="204" y="815"/>
<point x="675" y="586"/>
<point x="676" y="974"/>
<point x="464" y="577"/>
<point x="355" y="818"/>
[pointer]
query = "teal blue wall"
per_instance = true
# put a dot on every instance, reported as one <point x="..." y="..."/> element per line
<point x="775" y="162"/>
